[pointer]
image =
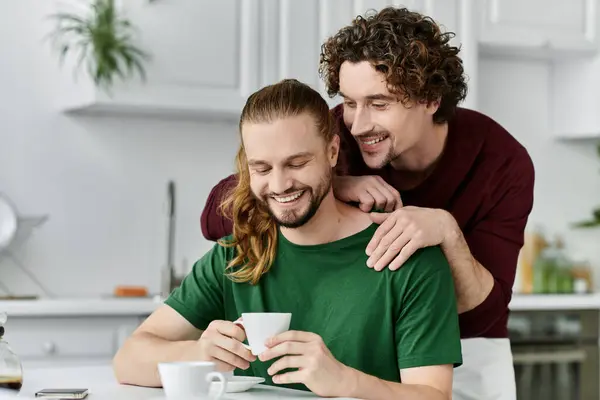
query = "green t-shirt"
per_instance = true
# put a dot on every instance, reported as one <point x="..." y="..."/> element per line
<point x="376" y="322"/>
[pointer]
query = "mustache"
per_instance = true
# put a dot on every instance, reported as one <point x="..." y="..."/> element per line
<point x="289" y="191"/>
<point x="371" y="134"/>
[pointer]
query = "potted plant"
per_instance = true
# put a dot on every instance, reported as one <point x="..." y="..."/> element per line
<point x="102" y="39"/>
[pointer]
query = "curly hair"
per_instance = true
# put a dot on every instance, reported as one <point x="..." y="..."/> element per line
<point x="409" y="49"/>
<point x="254" y="230"/>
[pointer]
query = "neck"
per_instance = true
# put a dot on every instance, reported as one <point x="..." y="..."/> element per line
<point x="333" y="221"/>
<point x="423" y="155"/>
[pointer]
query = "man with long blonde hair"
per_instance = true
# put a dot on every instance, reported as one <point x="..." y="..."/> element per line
<point x="297" y="249"/>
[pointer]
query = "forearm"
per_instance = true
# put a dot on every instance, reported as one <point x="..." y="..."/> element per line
<point x="473" y="282"/>
<point x="136" y="362"/>
<point x="369" y="387"/>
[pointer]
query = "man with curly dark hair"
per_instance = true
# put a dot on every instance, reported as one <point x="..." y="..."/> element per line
<point x="442" y="175"/>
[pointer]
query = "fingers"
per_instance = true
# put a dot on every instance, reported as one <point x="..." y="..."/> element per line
<point x="366" y="201"/>
<point x="379" y="234"/>
<point x="380" y="198"/>
<point x="234" y="347"/>
<point x="384" y="256"/>
<point x="290" y="377"/>
<point x="291" y="335"/>
<point x="282" y="349"/>
<point x="393" y="200"/>
<point x="407" y="251"/>
<point x="286" y="362"/>
<point x="232" y="330"/>
<point x="220" y="354"/>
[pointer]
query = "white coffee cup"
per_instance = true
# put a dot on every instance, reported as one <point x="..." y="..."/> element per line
<point x="261" y="326"/>
<point x="190" y="380"/>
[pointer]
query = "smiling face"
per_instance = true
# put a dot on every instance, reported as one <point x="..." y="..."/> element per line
<point x="290" y="166"/>
<point x="383" y="127"/>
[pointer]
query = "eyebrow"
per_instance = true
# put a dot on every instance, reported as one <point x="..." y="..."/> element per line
<point x="293" y="157"/>
<point x="376" y="96"/>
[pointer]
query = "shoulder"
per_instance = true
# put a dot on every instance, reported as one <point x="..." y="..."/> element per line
<point x="424" y="265"/>
<point x="219" y="256"/>
<point x="500" y="154"/>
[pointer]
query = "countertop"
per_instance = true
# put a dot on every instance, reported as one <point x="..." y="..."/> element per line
<point x="100" y="382"/>
<point x="530" y="302"/>
<point x="111" y="306"/>
<point x="75" y="306"/>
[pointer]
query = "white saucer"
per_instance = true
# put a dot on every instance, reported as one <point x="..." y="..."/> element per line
<point x="237" y="384"/>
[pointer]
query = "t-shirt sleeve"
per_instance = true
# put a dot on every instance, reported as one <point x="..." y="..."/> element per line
<point x="427" y="330"/>
<point x="199" y="298"/>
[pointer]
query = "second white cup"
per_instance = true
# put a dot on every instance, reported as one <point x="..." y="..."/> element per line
<point x="261" y="326"/>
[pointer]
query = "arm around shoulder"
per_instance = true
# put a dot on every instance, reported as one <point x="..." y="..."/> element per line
<point x="494" y="243"/>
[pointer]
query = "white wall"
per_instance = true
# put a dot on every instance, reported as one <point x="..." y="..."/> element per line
<point x="101" y="180"/>
<point x="567" y="187"/>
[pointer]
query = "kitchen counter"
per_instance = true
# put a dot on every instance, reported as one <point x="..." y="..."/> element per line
<point x="97" y="306"/>
<point x="145" y="306"/>
<point x="531" y="302"/>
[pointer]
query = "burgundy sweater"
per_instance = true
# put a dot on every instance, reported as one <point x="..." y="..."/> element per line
<point x="484" y="178"/>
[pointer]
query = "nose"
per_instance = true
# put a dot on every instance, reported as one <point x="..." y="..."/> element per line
<point x="361" y="121"/>
<point x="280" y="182"/>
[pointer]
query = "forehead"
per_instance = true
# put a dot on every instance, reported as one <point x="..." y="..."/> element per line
<point x="361" y="80"/>
<point x="281" y="138"/>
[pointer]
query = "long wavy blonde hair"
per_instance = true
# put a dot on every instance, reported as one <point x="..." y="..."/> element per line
<point x="254" y="230"/>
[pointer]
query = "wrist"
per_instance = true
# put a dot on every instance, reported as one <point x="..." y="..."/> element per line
<point x="188" y="351"/>
<point x="452" y="232"/>
<point x="350" y="385"/>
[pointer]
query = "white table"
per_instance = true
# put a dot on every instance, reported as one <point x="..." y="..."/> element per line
<point x="103" y="386"/>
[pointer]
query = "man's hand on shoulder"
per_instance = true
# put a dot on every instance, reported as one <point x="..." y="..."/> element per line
<point x="402" y="232"/>
<point x="368" y="191"/>
<point x="316" y="367"/>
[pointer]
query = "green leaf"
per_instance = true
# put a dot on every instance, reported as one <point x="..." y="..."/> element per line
<point x="103" y="39"/>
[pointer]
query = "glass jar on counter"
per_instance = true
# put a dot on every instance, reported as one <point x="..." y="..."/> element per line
<point x="552" y="270"/>
<point x="11" y="370"/>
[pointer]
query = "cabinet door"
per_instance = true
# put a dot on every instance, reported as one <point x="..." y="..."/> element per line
<point x="539" y="28"/>
<point x="205" y="58"/>
<point x="79" y="340"/>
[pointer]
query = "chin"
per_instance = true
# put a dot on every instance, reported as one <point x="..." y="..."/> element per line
<point x="375" y="162"/>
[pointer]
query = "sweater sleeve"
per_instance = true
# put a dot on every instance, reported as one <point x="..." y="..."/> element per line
<point x="496" y="242"/>
<point x="215" y="225"/>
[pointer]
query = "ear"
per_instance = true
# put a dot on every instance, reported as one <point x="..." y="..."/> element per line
<point x="432" y="107"/>
<point x="333" y="150"/>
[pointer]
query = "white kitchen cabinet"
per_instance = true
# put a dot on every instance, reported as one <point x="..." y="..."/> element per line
<point x="575" y="100"/>
<point x="539" y="28"/>
<point x="206" y="59"/>
<point x="68" y="340"/>
<point x="209" y="56"/>
<point x="304" y="26"/>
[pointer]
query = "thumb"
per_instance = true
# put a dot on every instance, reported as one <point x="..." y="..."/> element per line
<point x="378" y="218"/>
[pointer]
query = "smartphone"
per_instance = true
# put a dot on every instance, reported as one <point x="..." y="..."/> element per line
<point x="62" y="393"/>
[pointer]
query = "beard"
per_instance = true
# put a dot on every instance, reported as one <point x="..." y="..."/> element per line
<point x="377" y="159"/>
<point x="300" y="215"/>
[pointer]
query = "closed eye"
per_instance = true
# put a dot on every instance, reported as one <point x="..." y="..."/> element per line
<point x="262" y="171"/>
<point x="379" y="106"/>
<point x="298" y="164"/>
